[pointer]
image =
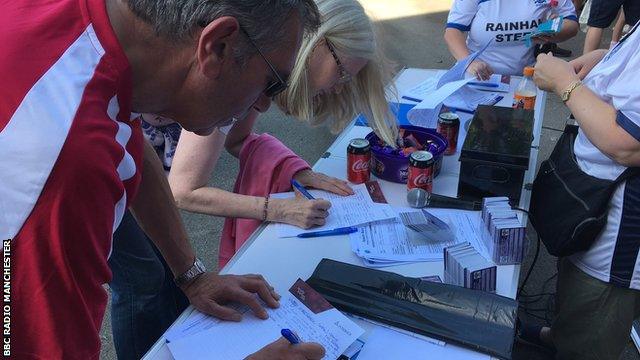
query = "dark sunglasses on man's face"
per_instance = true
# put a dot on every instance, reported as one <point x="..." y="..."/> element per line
<point x="276" y="86"/>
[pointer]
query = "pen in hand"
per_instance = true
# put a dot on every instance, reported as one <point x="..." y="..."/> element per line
<point x="296" y="185"/>
<point x="290" y="336"/>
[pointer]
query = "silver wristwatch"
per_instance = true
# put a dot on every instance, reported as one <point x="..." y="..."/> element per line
<point x="194" y="271"/>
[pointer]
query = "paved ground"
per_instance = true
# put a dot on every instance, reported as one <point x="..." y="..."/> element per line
<point x="412" y="34"/>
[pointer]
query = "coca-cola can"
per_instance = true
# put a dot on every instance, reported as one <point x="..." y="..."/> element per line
<point x="421" y="165"/>
<point x="449" y="127"/>
<point x="358" y="159"/>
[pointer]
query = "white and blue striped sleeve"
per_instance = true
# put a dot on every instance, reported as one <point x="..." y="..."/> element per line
<point x="567" y="10"/>
<point x="625" y="97"/>
<point x="461" y="14"/>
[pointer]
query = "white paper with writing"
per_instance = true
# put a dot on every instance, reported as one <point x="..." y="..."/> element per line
<point x="351" y="210"/>
<point x="236" y="340"/>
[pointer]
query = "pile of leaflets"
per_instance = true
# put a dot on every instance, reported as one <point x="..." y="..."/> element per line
<point x="413" y="236"/>
<point x="503" y="232"/>
<point x="464" y="266"/>
<point x="547" y="28"/>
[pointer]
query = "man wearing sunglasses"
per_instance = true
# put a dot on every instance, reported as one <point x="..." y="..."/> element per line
<point x="72" y="160"/>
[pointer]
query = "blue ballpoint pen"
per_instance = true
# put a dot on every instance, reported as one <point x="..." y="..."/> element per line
<point x="336" y="231"/>
<point x="483" y="84"/>
<point x="302" y="190"/>
<point x="291" y="336"/>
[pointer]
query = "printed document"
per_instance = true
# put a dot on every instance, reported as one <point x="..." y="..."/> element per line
<point x="345" y="211"/>
<point x="389" y="242"/>
<point x="301" y="310"/>
<point x="425" y="114"/>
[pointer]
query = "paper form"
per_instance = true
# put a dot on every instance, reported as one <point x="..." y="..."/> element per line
<point x="301" y="309"/>
<point x="419" y="91"/>
<point x="435" y="98"/>
<point x="351" y="210"/>
<point x="387" y="243"/>
<point x="195" y="323"/>
<point x="388" y="344"/>
<point x="468" y="99"/>
<point x="391" y="240"/>
<point x="425" y="114"/>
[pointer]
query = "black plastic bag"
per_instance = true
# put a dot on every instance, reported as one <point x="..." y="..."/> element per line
<point x="475" y="319"/>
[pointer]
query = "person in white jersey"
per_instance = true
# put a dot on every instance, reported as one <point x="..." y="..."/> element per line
<point x="473" y="23"/>
<point x="598" y="295"/>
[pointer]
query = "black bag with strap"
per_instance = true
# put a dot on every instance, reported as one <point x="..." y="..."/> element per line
<point x="569" y="207"/>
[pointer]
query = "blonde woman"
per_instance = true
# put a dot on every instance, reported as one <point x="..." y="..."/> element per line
<point x="339" y="72"/>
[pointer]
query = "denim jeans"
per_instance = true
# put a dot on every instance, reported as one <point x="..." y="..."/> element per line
<point x="145" y="300"/>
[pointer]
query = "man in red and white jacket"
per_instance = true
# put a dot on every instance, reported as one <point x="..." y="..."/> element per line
<point x="72" y="159"/>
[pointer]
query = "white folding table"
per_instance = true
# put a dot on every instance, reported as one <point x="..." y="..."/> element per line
<point x="283" y="260"/>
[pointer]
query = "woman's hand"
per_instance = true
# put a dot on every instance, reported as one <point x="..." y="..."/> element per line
<point x="553" y="74"/>
<point x="583" y="65"/>
<point x="281" y="349"/>
<point x="480" y="69"/>
<point x="310" y="178"/>
<point x="299" y="211"/>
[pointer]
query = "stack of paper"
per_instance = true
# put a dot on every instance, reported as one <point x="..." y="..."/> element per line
<point x="301" y="310"/>
<point x="425" y="114"/>
<point x="464" y="266"/>
<point x="468" y="99"/>
<point x="345" y="211"/>
<point x="503" y="232"/>
<point x="389" y="243"/>
<point x="547" y="28"/>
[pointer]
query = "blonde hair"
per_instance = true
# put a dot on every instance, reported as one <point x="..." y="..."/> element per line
<point x="347" y="27"/>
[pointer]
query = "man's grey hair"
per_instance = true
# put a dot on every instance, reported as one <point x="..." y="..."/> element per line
<point x="263" y="20"/>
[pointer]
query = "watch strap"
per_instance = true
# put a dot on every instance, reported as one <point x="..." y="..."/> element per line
<point x="191" y="274"/>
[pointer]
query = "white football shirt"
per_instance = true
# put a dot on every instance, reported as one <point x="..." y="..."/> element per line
<point x="505" y="22"/>
<point x="614" y="255"/>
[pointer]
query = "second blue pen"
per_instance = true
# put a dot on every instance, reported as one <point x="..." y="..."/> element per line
<point x="296" y="185"/>
<point x="336" y="231"/>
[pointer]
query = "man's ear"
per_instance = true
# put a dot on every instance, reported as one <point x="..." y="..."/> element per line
<point x="215" y="45"/>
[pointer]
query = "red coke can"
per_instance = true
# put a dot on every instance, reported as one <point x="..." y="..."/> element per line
<point x="449" y="127"/>
<point x="358" y="159"/>
<point x="421" y="171"/>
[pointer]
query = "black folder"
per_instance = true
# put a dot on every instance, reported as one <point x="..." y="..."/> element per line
<point x="474" y="319"/>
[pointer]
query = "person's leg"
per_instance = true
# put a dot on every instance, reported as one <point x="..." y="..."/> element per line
<point x="592" y="39"/>
<point x="593" y="318"/>
<point x="617" y="29"/>
<point x="145" y="301"/>
<point x="602" y="14"/>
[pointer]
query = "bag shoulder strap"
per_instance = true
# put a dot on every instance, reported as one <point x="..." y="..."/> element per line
<point x="572" y="130"/>
<point x="627" y="174"/>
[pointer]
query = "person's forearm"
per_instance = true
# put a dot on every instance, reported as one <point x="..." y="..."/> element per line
<point x="598" y="121"/>
<point x="218" y="202"/>
<point x="569" y="30"/>
<point x="157" y="214"/>
<point x="457" y="43"/>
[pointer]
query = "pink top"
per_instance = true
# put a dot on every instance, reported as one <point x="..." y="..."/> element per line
<point x="266" y="166"/>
